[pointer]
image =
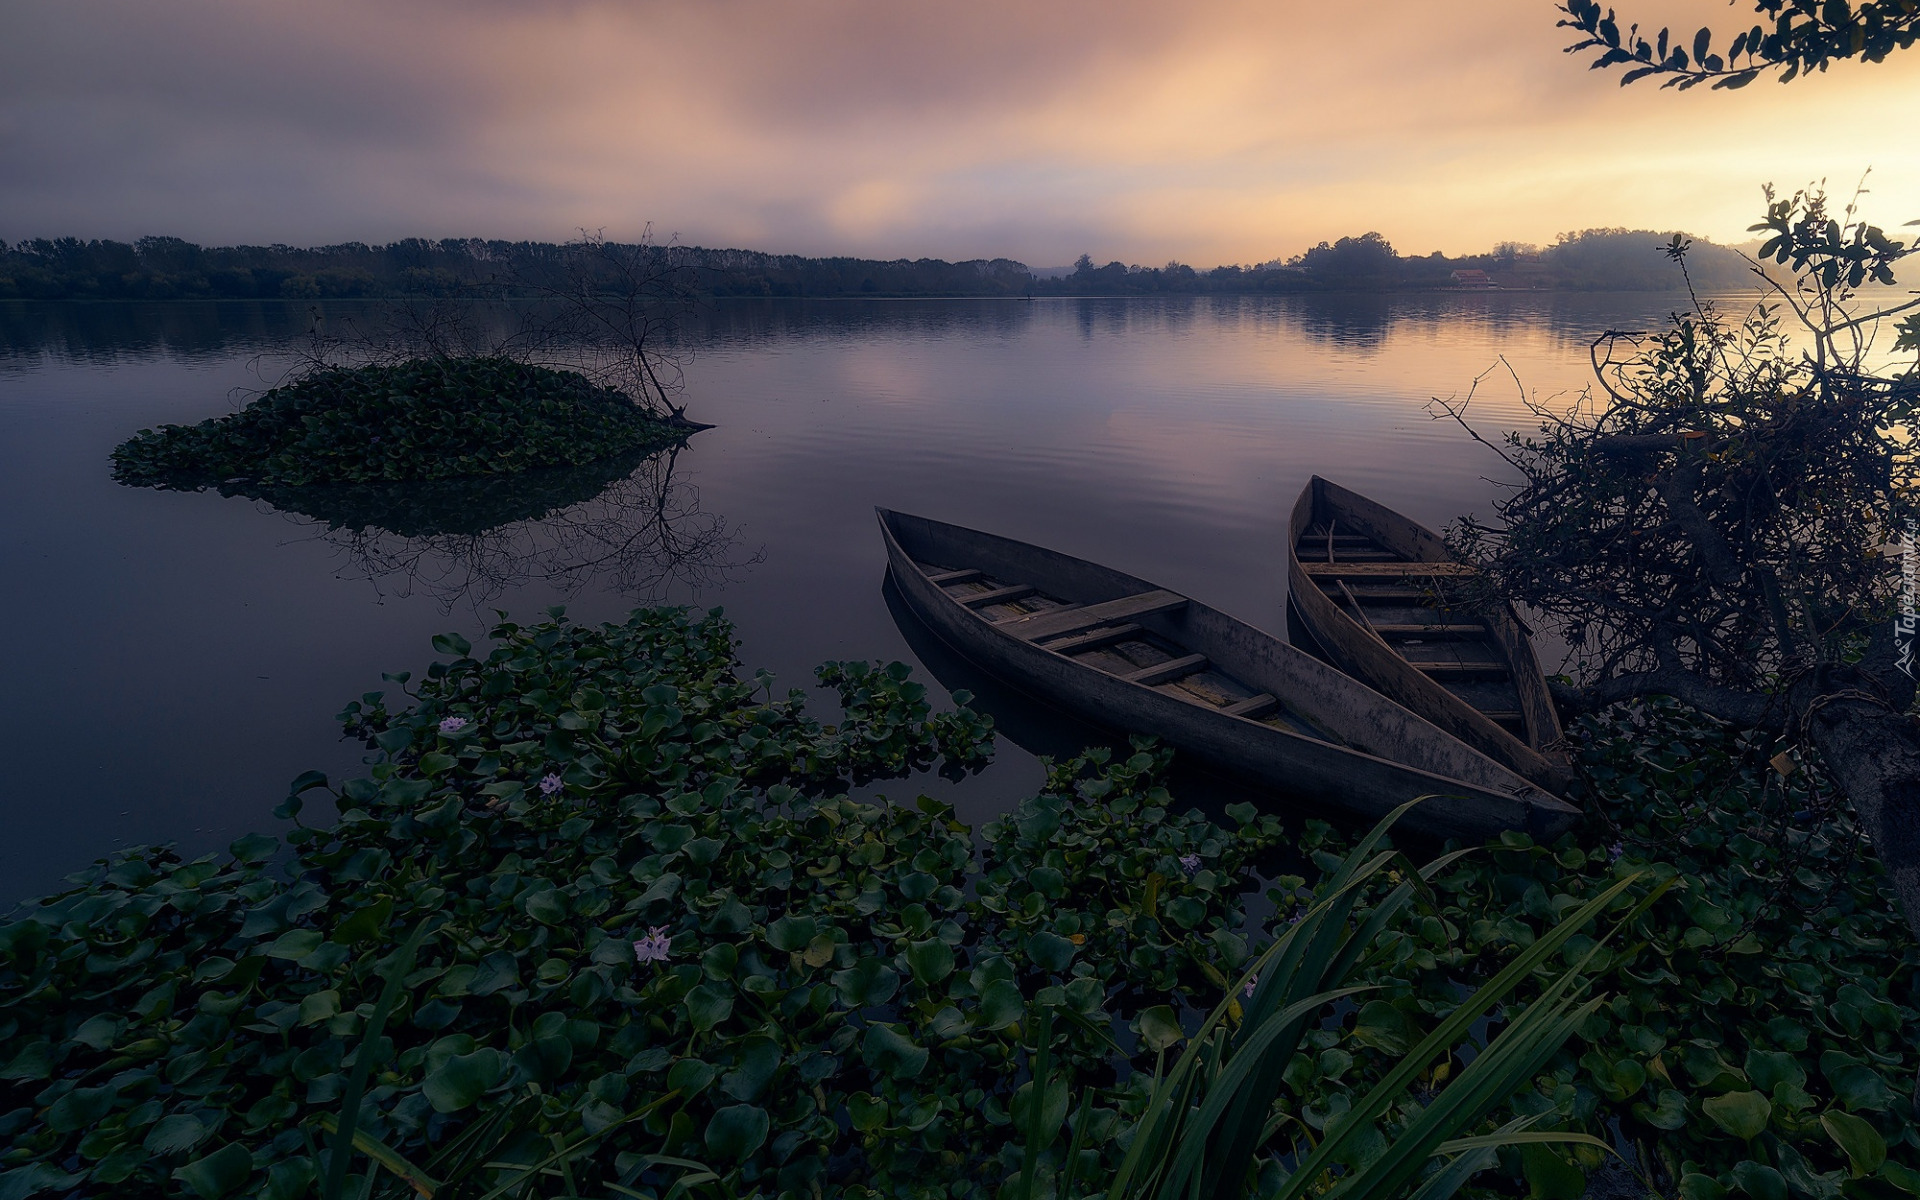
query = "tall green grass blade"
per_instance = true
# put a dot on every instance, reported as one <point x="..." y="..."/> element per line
<point x="1448" y="1034"/>
<point x="343" y="1140"/>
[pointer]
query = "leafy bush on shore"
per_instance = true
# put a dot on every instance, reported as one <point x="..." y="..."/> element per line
<point x="422" y="419"/>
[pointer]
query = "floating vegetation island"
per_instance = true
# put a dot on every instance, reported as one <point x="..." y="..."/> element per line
<point x="419" y="420"/>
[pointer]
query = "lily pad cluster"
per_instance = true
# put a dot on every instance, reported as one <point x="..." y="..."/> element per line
<point x="654" y="923"/>
<point x="1762" y="1032"/>
<point x="653" y="927"/>
<point x="417" y="420"/>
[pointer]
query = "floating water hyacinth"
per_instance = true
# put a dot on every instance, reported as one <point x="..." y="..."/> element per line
<point x="550" y="783"/>
<point x="654" y="947"/>
<point x="454" y="724"/>
<point x="1190" y="863"/>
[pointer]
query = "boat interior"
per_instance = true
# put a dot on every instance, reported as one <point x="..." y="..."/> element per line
<point x="1103" y="637"/>
<point x="1423" y="611"/>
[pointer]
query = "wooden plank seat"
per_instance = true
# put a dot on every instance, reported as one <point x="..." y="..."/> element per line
<point x="1167" y="672"/>
<point x="1055" y="622"/>
<point x="1253" y="707"/>
<point x="1392" y="570"/>
<point x="1099" y="637"/>
<point x="1430" y="631"/>
<point x="961" y="576"/>
<point x="999" y="595"/>
<point x="1454" y="670"/>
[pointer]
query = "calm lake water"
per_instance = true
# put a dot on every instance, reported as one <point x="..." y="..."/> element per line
<point x="175" y="658"/>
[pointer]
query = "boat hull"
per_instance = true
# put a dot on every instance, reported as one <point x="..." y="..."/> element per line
<point x="1362" y="654"/>
<point x="1471" y="796"/>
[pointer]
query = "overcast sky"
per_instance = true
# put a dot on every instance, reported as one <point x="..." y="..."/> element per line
<point x="1204" y="131"/>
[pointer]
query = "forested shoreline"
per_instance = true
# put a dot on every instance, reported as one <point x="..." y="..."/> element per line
<point x="167" y="268"/>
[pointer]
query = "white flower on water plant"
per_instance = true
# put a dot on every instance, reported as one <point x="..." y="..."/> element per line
<point x="454" y="724"/>
<point x="1190" y="863"/>
<point x="654" y="947"/>
<point x="551" y="783"/>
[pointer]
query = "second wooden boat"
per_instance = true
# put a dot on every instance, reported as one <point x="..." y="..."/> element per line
<point x="1394" y="609"/>
<point x="1120" y="652"/>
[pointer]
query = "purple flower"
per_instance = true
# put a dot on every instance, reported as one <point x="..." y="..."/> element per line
<point x="550" y="783"/>
<point x="654" y="947"/>
<point x="1253" y="981"/>
<point x="1190" y="863"/>
<point x="454" y="724"/>
<point x="1614" y="851"/>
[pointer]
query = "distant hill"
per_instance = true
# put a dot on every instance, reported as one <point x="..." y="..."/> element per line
<point x="166" y="268"/>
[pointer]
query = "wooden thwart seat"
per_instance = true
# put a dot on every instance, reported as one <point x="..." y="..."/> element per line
<point x="1459" y="668"/>
<point x="1167" y="672"/>
<point x="1056" y="622"/>
<point x="960" y="576"/>
<point x="1432" y="631"/>
<point x="999" y="595"/>
<point x="1253" y="707"/>
<point x="1392" y="570"/>
<point x="1099" y="637"/>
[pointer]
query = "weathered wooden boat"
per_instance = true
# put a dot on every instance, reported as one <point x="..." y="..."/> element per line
<point x="1392" y="608"/>
<point x="1125" y="654"/>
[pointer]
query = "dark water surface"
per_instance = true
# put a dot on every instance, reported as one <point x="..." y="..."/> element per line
<point x="174" y="659"/>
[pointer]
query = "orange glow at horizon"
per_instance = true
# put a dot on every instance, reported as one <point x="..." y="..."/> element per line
<point x="1226" y="131"/>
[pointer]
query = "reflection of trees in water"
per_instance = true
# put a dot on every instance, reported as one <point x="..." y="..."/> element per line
<point x="627" y="525"/>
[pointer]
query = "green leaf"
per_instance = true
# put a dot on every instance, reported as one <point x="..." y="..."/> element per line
<point x="888" y="1052"/>
<point x="1695" y="1186"/>
<point x="1760" y="1181"/>
<point x="1855" y="1084"/>
<point x="1670" y="1112"/>
<point x="463" y="1079"/>
<point x="1159" y="1028"/>
<point x="546" y="905"/>
<point x="866" y="983"/>
<point x="1384" y="1027"/>
<point x="690" y="1076"/>
<point x="176" y="1134"/>
<point x="1770" y="1068"/>
<point x="1050" y="951"/>
<point x="295" y="944"/>
<point x="708" y="1005"/>
<point x="218" y="1174"/>
<point x="452" y="643"/>
<point x="1905" y="1178"/>
<point x="791" y="933"/>
<point x="866" y="1112"/>
<point x="81" y="1108"/>
<point x="1742" y="1114"/>
<point x="736" y="1131"/>
<point x="1001" y="1004"/>
<point x="1860" y="1141"/>
<point x="1549" y="1176"/>
<point x="930" y="960"/>
<point x="759" y="1060"/>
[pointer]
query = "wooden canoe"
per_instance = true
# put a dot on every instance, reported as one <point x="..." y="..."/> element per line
<point x="1395" y="610"/>
<point x="1122" y="653"/>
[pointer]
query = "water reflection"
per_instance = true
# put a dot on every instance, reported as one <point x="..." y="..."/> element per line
<point x="625" y="525"/>
<point x="642" y="535"/>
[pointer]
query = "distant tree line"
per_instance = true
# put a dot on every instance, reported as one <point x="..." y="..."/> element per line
<point x="167" y="268"/>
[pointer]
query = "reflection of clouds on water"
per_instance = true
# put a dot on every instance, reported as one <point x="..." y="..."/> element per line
<point x="626" y="525"/>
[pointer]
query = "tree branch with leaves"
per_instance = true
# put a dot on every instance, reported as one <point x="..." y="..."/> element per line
<point x="1796" y="38"/>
